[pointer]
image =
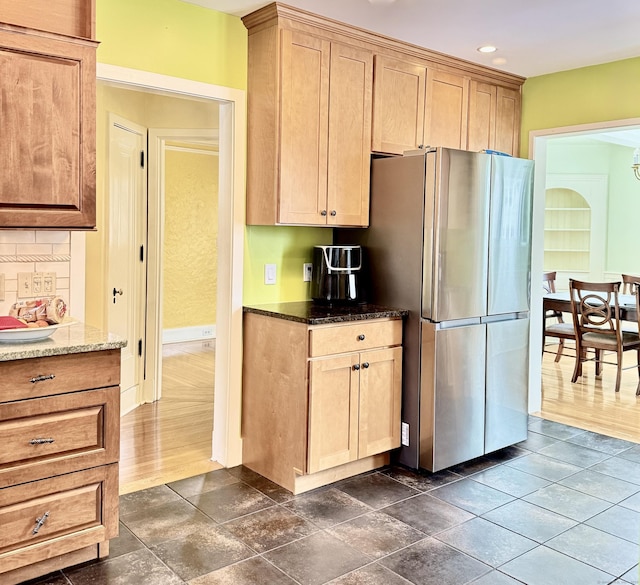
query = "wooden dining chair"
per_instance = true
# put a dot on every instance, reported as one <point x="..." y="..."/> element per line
<point x="557" y="328"/>
<point x="596" y="319"/>
<point x="629" y="284"/>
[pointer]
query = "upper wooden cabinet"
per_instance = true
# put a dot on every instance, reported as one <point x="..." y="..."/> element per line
<point x="309" y="104"/>
<point x="323" y="95"/>
<point x="417" y="105"/>
<point x="47" y="99"/>
<point x="494" y="118"/>
<point x="47" y="96"/>
<point x="398" y="105"/>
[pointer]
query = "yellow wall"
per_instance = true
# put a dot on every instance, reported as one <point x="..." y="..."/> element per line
<point x="190" y="250"/>
<point x="147" y="110"/>
<point x="580" y="96"/>
<point x="173" y="38"/>
<point x="179" y="39"/>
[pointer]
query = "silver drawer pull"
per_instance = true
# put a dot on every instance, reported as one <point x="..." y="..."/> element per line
<point x="41" y="441"/>
<point x="361" y="337"/>
<point x="40" y="522"/>
<point x="42" y="378"/>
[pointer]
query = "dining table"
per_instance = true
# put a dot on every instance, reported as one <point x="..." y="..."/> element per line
<point x="561" y="301"/>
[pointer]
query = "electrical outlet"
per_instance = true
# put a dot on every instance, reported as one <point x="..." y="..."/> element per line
<point x="269" y="273"/>
<point x="37" y="285"/>
<point x="49" y="283"/>
<point x="1" y="287"/>
<point x="307" y="270"/>
<point x="405" y="434"/>
<point x="207" y="332"/>
<point x="25" y="283"/>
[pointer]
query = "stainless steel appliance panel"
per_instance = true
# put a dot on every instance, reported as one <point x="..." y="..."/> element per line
<point x="510" y="235"/>
<point x="506" y="383"/>
<point x="460" y="222"/>
<point x="452" y="401"/>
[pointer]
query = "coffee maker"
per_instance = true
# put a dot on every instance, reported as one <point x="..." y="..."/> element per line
<point x="337" y="274"/>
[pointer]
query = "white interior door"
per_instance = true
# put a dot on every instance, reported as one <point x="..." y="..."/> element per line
<point x="127" y="218"/>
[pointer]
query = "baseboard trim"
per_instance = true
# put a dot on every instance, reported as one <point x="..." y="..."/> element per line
<point x="129" y="400"/>
<point x="197" y="333"/>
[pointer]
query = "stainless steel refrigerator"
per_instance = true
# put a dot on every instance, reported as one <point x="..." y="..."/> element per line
<point x="450" y="240"/>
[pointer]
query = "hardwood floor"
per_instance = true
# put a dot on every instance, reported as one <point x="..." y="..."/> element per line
<point x="171" y="438"/>
<point x="591" y="403"/>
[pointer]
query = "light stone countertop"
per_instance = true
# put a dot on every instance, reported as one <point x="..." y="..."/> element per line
<point x="76" y="338"/>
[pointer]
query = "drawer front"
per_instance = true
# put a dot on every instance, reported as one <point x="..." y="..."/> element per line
<point x="52" y="516"/>
<point x="58" y="434"/>
<point x="357" y="336"/>
<point x="34" y="377"/>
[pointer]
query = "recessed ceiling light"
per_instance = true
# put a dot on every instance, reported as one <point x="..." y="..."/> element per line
<point x="487" y="49"/>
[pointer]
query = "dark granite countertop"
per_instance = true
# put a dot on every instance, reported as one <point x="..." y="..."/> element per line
<point x="318" y="314"/>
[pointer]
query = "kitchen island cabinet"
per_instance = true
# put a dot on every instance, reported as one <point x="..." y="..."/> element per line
<point x="59" y="437"/>
<point x="321" y="391"/>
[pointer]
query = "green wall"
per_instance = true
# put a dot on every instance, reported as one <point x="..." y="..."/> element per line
<point x="173" y="38"/>
<point x="598" y="93"/>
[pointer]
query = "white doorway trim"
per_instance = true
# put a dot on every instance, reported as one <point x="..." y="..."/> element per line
<point x="157" y="145"/>
<point x="538" y="151"/>
<point x="227" y="444"/>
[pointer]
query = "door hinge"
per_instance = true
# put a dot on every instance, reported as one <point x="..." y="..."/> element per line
<point x="141" y="253"/>
<point x="140" y="347"/>
<point x="142" y="158"/>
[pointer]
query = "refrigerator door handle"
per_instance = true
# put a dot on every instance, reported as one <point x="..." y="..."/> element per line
<point x="457" y="323"/>
<point x="505" y="317"/>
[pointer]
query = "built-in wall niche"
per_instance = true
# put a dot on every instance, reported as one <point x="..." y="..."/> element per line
<point x="575" y="227"/>
<point x="567" y="231"/>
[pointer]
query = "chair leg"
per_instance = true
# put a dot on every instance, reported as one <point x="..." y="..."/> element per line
<point x="599" y="353"/>
<point x="619" y="372"/>
<point x="560" y="349"/>
<point x="577" y="370"/>
<point x="638" y="388"/>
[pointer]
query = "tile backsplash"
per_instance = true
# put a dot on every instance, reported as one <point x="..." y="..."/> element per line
<point x="34" y="251"/>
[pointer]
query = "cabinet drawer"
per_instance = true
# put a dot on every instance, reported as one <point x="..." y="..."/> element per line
<point x="58" y="434"/>
<point x="57" y="515"/>
<point x="34" y="377"/>
<point x="354" y="336"/>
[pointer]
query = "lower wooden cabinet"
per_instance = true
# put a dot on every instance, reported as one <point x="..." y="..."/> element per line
<point x="320" y="403"/>
<point x="60" y="442"/>
<point x="354" y="406"/>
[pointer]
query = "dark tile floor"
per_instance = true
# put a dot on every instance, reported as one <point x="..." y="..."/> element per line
<point x="563" y="507"/>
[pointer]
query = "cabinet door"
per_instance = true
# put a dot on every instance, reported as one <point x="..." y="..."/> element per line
<point x="349" y="157"/>
<point x="47" y="100"/>
<point x="380" y="401"/>
<point x="333" y="412"/>
<point x="446" y="109"/>
<point x="303" y="128"/>
<point x="507" y="137"/>
<point x="398" y="105"/>
<point x="482" y="116"/>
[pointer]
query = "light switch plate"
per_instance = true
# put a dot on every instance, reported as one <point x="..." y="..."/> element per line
<point x="49" y="283"/>
<point x="269" y="273"/>
<point x="1" y="287"/>
<point x="25" y="281"/>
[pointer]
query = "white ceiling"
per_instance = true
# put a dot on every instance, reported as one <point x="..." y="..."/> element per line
<point x="534" y="37"/>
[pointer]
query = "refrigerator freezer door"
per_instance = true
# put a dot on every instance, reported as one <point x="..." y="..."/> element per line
<point x="455" y="260"/>
<point x="507" y="383"/>
<point x="452" y="400"/>
<point x="510" y="235"/>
